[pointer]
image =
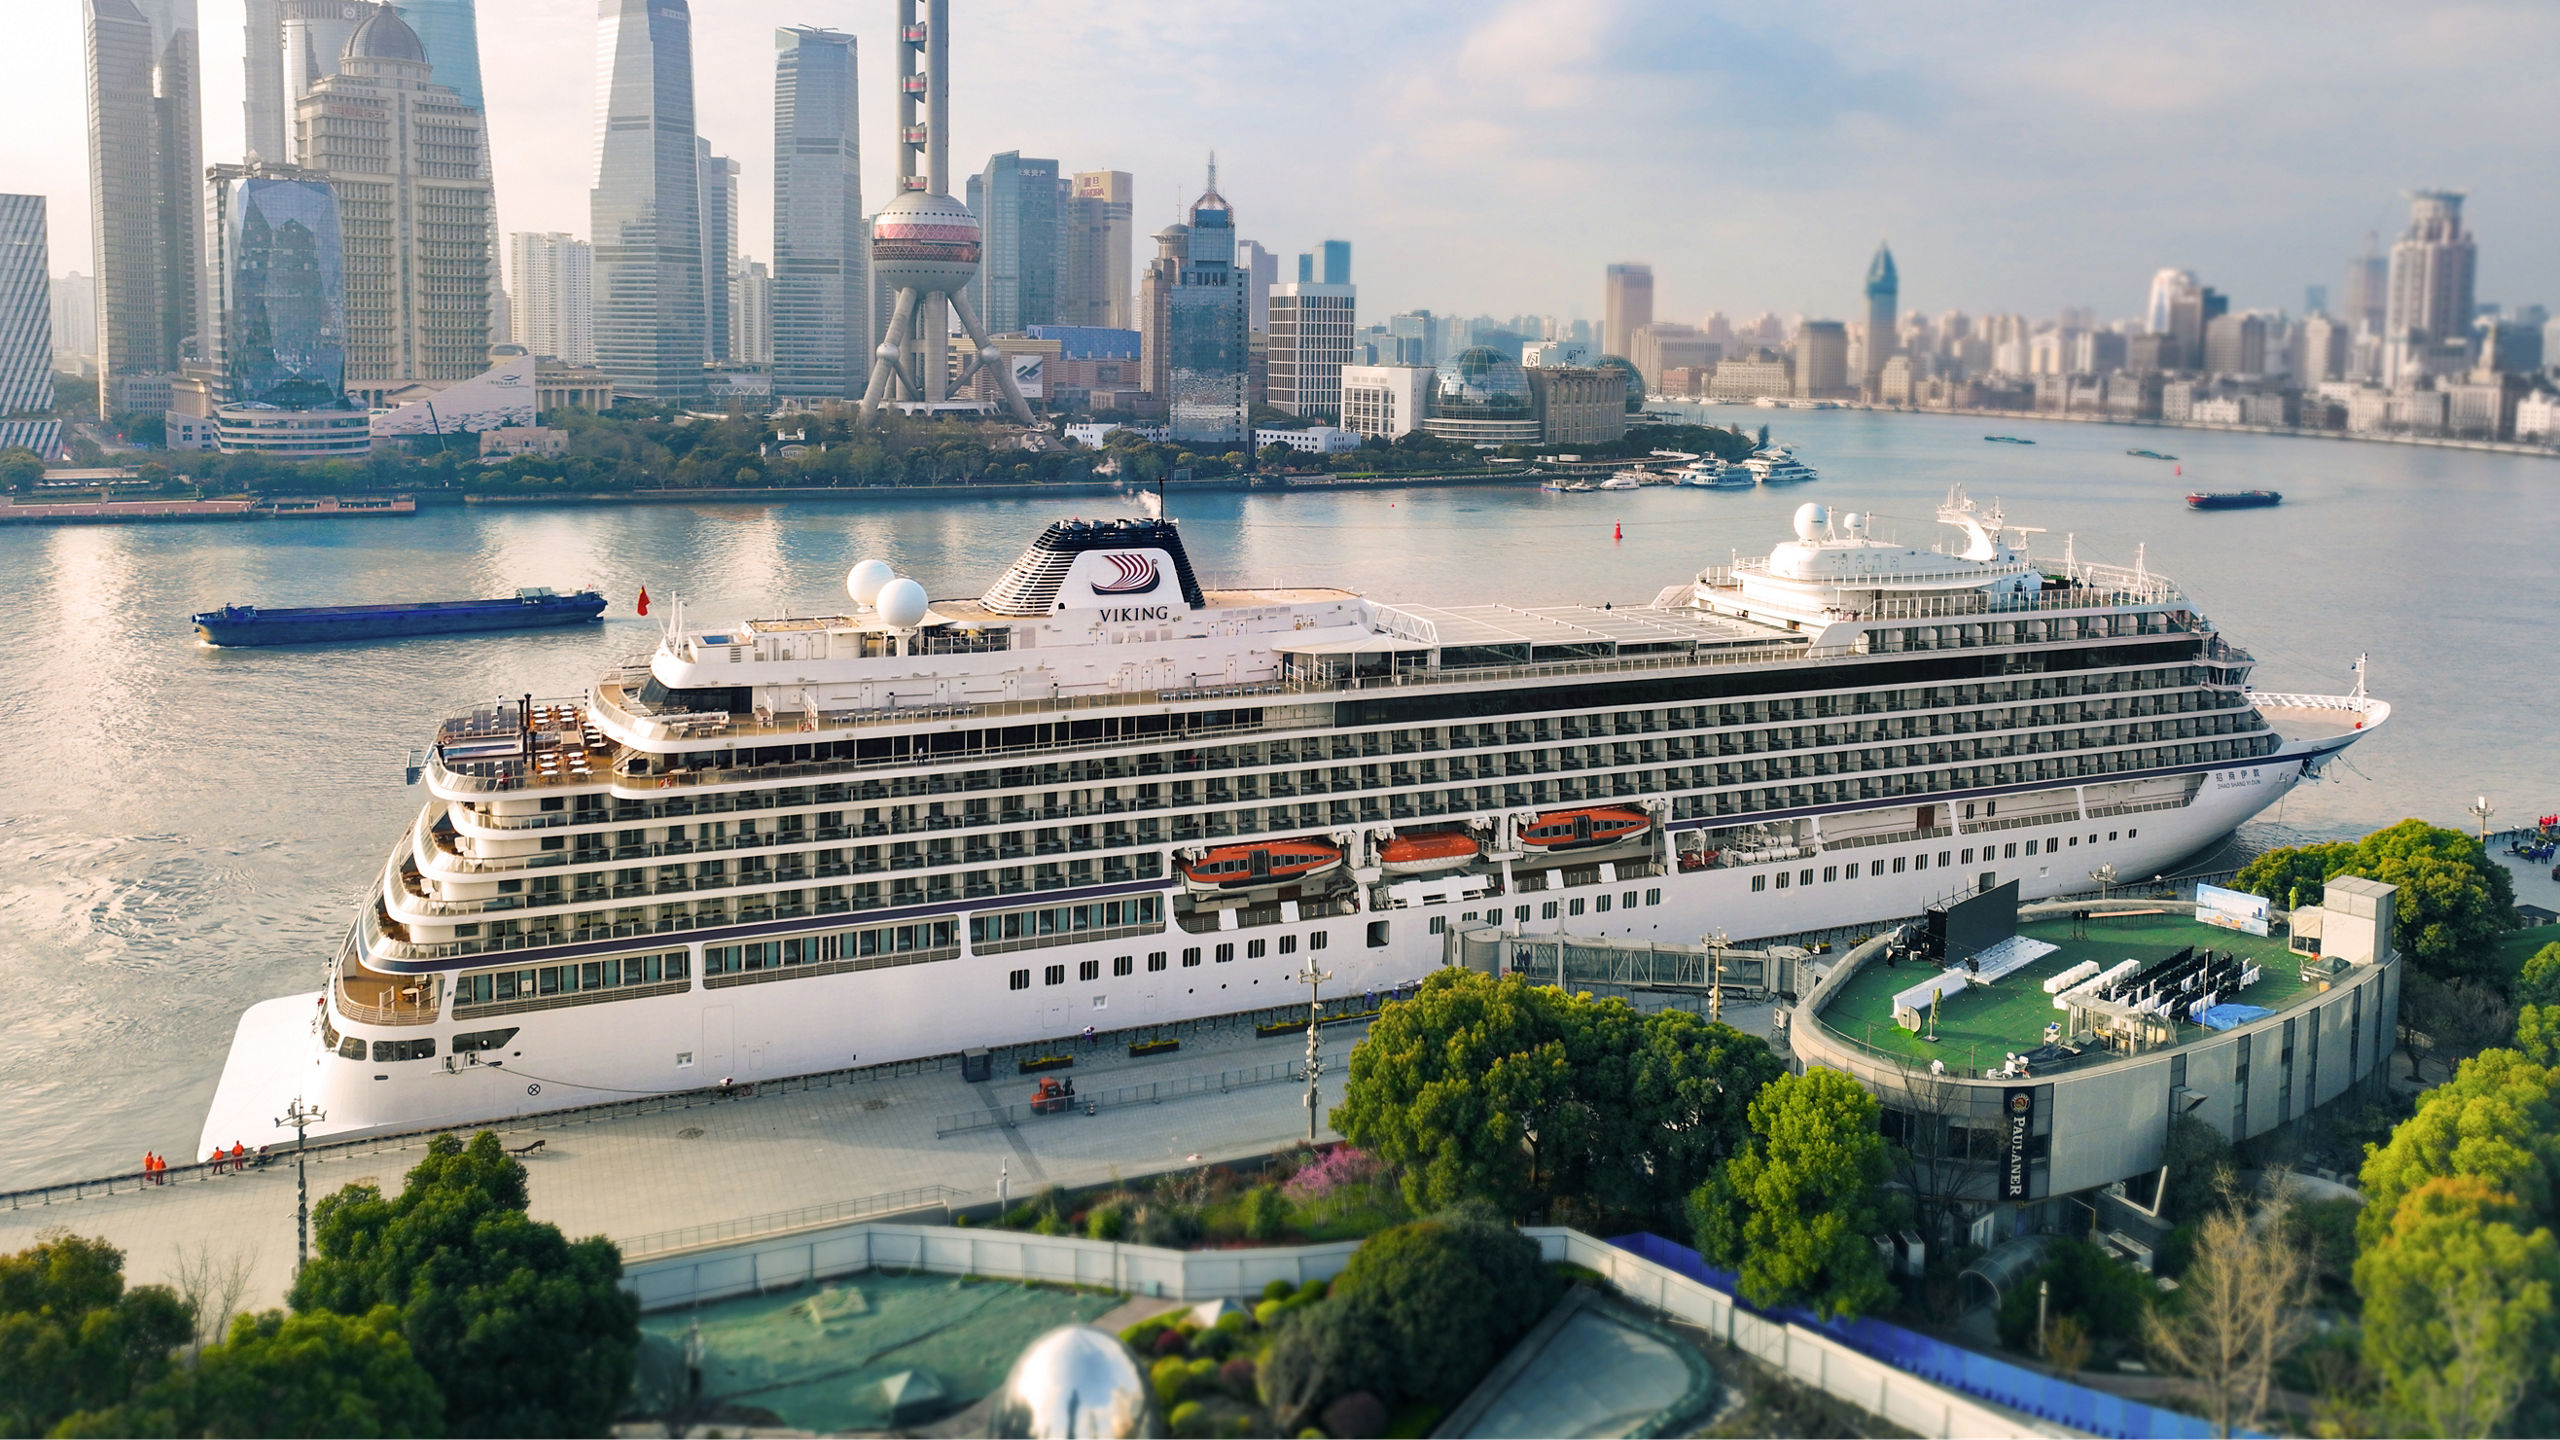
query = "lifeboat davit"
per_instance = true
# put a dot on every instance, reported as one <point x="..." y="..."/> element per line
<point x="1262" y="863"/>
<point x="1582" y="829"/>
<point x="1427" y="853"/>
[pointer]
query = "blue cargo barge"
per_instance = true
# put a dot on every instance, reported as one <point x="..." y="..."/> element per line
<point x="526" y="610"/>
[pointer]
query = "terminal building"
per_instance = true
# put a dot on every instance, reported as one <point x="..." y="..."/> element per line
<point x="2044" y="1062"/>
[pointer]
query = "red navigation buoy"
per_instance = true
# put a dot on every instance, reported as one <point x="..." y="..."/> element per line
<point x="1618" y="531"/>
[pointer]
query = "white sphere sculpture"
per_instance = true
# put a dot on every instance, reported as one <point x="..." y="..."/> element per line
<point x="902" y="604"/>
<point x="864" y="581"/>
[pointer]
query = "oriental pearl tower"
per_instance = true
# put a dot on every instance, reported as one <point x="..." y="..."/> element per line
<point x="924" y="244"/>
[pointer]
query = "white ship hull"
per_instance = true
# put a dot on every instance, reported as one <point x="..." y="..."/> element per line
<point x="628" y="1048"/>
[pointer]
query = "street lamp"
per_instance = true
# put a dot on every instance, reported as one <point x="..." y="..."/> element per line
<point x="1314" y="979"/>
<point x="300" y="1115"/>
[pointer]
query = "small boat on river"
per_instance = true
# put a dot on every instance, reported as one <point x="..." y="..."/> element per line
<point x="303" y="625"/>
<point x="2233" y="499"/>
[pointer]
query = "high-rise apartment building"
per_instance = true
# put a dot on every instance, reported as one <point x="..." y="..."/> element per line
<point x="751" y="309"/>
<point x="1207" y="342"/>
<point x="646" y="205"/>
<point x="719" y="184"/>
<point x="555" y="296"/>
<point x="146" y="170"/>
<point x="1626" y="305"/>
<point x="1884" y="298"/>
<point x="26" y="308"/>
<point x="1020" y="212"/>
<point x="1094" y="273"/>
<point x="820" y="294"/>
<point x="1311" y="335"/>
<point x="2432" y="269"/>
<point x="409" y="162"/>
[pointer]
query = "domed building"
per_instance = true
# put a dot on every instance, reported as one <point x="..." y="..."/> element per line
<point x="1481" y="397"/>
<point x="1635" y="381"/>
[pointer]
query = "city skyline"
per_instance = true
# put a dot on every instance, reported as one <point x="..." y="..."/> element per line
<point x="1744" y="204"/>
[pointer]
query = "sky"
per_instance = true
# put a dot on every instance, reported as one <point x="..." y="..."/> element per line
<point x="1494" y="157"/>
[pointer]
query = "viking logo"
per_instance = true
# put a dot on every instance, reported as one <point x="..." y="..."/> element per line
<point x="1137" y="576"/>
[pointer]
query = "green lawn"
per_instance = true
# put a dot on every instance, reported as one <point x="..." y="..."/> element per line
<point x="1980" y="1024"/>
<point x="2518" y="946"/>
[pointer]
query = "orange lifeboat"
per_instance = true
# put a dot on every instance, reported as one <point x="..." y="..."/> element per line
<point x="1428" y="853"/>
<point x="1261" y="863"/>
<point x="1582" y="829"/>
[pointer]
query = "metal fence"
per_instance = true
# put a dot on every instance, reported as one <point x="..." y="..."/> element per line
<point x="783" y="1222"/>
<point x="1153" y="1092"/>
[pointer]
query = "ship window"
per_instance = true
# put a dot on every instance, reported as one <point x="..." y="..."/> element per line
<point x="1377" y="934"/>
<point x="351" y="1048"/>
<point x="1653" y="897"/>
<point x="1288" y="944"/>
<point x="1945" y="859"/>
<point x="1782" y="880"/>
<point x="1123" y="964"/>
<point x="1054" y="975"/>
<point x="1318" y="940"/>
<point x="1877" y="867"/>
<point x="2111" y="834"/>
<point x="1897" y="863"/>
<point x="2129" y="834"/>
<point x="554" y="802"/>
<point x="1439" y="924"/>
<point x="1155" y="961"/>
<point x="473" y="1041"/>
<point x="1574" y="907"/>
<point x="510" y="887"/>
<point x="1831" y="873"/>
<point x="386" y="1051"/>
<point x="555" y="842"/>
<point x="1804" y="877"/>
<point x="1253" y="949"/>
<point x="1547" y="911"/>
<point x="1601" y="905"/>
<point x="1190" y="956"/>
<point x="2075" y="839"/>
<point x="1226" y="952"/>
<point x="2009" y="851"/>
<point x="1968" y="856"/>
<point x="1089" y="970"/>
<point x="1018" y="980"/>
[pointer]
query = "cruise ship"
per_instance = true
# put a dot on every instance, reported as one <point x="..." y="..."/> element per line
<point x="1101" y="795"/>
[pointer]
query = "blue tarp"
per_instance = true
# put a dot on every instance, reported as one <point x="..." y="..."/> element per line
<point x="2231" y="1017"/>
<point x="2090" y="1411"/>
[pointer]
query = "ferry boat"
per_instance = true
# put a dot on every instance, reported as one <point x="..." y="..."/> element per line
<point x="1714" y="474"/>
<point x="785" y="846"/>
<point x="1628" y="480"/>
<point x="1777" y="465"/>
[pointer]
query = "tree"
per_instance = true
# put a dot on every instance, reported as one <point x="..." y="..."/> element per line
<point x="2459" y="1306"/>
<point x="2538" y="1006"/>
<point x="2108" y="1298"/>
<point x="1797" y="1210"/>
<point x="2244" y="1305"/>
<point x="312" y="1375"/>
<point x="1929" y="1150"/>
<point x="523" y="1331"/>
<point x="1687" y="1097"/>
<point x="20" y="469"/>
<point x="2498" y="1118"/>
<point x="73" y="1338"/>
<point x="2454" y="901"/>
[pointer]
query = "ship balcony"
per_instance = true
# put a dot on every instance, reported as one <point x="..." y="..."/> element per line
<point x="371" y="997"/>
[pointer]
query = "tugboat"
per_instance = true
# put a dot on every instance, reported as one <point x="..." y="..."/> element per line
<point x="2233" y="499"/>
<point x="1263" y="862"/>
<point x="1582" y="829"/>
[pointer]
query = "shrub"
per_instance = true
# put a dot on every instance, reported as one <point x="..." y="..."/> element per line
<point x="1185" y="1419"/>
<point x="1106" y="1222"/>
<point x="1278" y="1290"/>
<point x="1214" y="1344"/>
<point x="1167" y="1376"/>
<point x="1356" y="1416"/>
<point x="1169" y="1341"/>
<point x="1233" y="1322"/>
<point x="2105" y="1294"/>
<point x="1237" y="1375"/>
<point x="1267" y="1312"/>
<point x="1264" y="1212"/>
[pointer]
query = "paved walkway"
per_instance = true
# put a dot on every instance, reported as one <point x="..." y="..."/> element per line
<point x="627" y="1175"/>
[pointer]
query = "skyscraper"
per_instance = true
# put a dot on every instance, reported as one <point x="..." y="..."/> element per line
<point x="1626" y="305"/>
<point x="1337" y="262"/>
<point x="2364" y="299"/>
<point x="2432" y="265"/>
<point x="409" y="162"/>
<point x="26" y="308"/>
<point x="751" y="310"/>
<point x="1822" y="359"/>
<point x="1207" y="341"/>
<point x="821" y="326"/>
<point x="1017" y="203"/>
<point x="1884" y="290"/>
<point x="719" y="247"/>
<point x="451" y="32"/>
<point x="1093" y="288"/>
<point x="146" y="162"/>
<point x="265" y="108"/>
<point x="312" y="35"/>
<point x="646" y="206"/>
<point x="75" y="322"/>
<point x="555" y="296"/>
<point x="2166" y="286"/>
<point x="1261" y="271"/>
<point x="1155" y="311"/>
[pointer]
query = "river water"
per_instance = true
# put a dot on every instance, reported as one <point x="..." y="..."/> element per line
<point x="184" y="831"/>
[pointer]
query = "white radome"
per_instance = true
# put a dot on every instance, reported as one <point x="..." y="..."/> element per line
<point x="863" y="582"/>
<point x="902" y="604"/>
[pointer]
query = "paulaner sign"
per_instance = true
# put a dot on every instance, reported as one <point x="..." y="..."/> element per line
<point x="2018" y="1112"/>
